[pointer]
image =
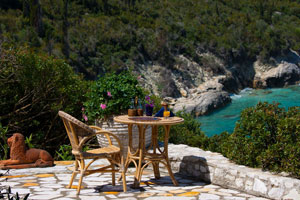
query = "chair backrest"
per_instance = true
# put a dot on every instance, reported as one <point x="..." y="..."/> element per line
<point x="76" y="129"/>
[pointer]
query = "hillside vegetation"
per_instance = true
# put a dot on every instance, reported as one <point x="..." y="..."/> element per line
<point x="99" y="36"/>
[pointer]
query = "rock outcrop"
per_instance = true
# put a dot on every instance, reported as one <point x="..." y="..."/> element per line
<point x="284" y="74"/>
<point x="203" y="103"/>
<point x="203" y="87"/>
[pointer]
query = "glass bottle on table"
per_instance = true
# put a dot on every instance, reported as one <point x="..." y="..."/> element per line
<point x="139" y="109"/>
<point x="166" y="111"/>
<point x="132" y="111"/>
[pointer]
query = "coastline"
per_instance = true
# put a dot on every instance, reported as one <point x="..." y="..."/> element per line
<point x="197" y="90"/>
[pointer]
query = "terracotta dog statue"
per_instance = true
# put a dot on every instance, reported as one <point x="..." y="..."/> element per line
<point x="21" y="158"/>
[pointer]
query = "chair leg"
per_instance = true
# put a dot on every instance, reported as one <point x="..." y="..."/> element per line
<point x="123" y="174"/>
<point x="80" y="182"/>
<point x="156" y="169"/>
<point x="82" y="173"/>
<point x="74" y="174"/>
<point x="124" y="182"/>
<point x="113" y="175"/>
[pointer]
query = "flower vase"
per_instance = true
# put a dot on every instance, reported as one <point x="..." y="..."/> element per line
<point x="149" y="110"/>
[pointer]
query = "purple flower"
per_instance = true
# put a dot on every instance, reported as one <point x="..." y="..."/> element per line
<point x="103" y="106"/>
<point x="150" y="105"/>
<point x="108" y="94"/>
<point x="149" y="102"/>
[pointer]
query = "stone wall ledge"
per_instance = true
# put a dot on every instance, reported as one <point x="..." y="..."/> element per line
<point x="214" y="168"/>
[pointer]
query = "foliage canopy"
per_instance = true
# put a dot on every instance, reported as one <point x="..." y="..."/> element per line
<point x="103" y="36"/>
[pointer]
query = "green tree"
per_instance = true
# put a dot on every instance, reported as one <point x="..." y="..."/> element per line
<point x="33" y="89"/>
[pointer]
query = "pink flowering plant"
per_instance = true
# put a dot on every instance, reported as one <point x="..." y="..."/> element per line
<point x="111" y="95"/>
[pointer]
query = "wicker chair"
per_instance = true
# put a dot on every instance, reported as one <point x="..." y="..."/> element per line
<point x="79" y="133"/>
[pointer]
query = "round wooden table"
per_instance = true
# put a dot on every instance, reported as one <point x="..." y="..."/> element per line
<point x="152" y="154"/>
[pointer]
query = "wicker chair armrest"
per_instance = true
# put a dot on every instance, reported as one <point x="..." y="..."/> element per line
<point x="96" y="127"/>
<point x="100" y="132"/>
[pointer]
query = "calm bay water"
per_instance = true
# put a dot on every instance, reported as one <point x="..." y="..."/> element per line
<point x="225" y="118"/>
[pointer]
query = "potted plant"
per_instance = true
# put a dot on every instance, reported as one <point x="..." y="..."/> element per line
<point x="149" y="105"/>
<point x="109" y="96"/>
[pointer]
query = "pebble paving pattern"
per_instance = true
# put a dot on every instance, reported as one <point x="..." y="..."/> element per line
<point x="51" y="182"/>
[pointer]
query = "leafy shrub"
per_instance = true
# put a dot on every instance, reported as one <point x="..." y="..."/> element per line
<point x="111" y="94"/>
<point x="65" y="153"/>
<point x="33" y="89"/>
<point x="266" y="136"/>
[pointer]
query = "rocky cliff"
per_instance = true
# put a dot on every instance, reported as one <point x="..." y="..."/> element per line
<point x="202" y="87"/>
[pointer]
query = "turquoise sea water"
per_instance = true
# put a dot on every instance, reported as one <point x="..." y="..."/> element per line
<point x="225" y="118"/>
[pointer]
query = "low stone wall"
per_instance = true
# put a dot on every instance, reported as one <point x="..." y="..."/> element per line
<point x="214" y="168"/>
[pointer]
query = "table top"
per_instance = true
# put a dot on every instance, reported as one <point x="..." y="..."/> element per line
<point x="148" y="120"/>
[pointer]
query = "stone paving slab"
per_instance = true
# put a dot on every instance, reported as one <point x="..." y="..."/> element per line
<point x="51" y="182"/>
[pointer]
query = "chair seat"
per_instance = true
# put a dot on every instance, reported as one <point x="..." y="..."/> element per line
<point x="111" y="149"/>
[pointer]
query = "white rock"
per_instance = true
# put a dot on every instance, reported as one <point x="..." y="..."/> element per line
<point x="82" y="197"/>
<point x="289" y="183"/>
<point x="219" y="172"/>
<point x="230" y="178"/>
<point x="275" y="181"/>
<point x="205" y="196"/>
<point x="239" y="182"/>
<point x="183" y="92"/>
<point x="248" y="185"/>
<point x="292" y="195"/>
<point x="169" y="198"/>
<point x="259" y="186"/>
<point x="229" y="191"/>
<point x="275" y="193"/>
<point x="40" y="197"/>
<point x="234" y="198"/>
<point x="233" y="172"/>
<point x="20" y="191"/>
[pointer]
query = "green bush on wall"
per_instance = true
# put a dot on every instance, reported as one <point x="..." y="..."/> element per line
<point x="266" y="136"/>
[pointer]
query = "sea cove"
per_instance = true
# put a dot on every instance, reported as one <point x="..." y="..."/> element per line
<point x="224" y="119"/>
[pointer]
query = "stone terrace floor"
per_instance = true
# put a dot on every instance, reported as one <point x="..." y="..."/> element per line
<point x="51" y="182"/>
